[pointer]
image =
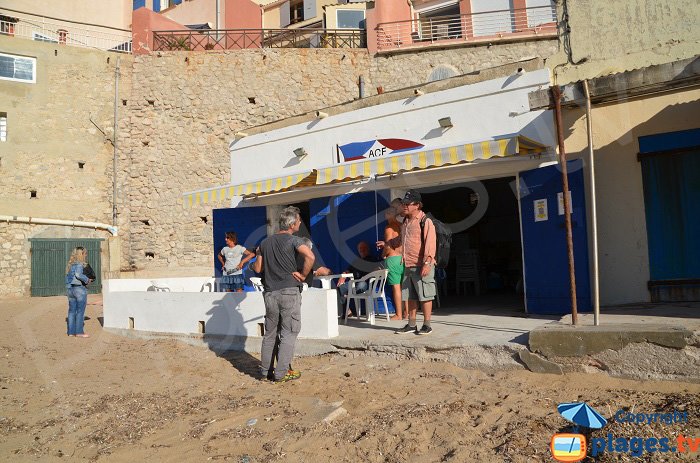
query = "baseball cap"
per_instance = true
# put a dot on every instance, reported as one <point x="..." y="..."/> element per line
<point x="411" y="196"/>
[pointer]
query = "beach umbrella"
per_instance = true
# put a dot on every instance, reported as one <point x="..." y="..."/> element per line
<point x="582" y="414"/>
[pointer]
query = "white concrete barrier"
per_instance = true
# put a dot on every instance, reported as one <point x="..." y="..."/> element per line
<point x="187" y="306"/>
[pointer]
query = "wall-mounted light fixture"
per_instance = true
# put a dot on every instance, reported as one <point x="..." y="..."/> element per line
<point x="240" y="135"/>
<point x="321" y="115"/>
<point x="418" y="92"/>
<point x="445" y="122"/>
<point x="300" y="152"/>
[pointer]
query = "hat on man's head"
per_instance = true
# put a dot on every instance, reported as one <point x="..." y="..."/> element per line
<point x="411" y="196"/>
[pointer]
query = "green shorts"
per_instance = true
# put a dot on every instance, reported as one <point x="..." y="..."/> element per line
<point x="395" y="267"/>
<point x="417" y="288"/>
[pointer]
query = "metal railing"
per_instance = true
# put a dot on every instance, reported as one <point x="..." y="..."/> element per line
<point x="64" y="32"/>
<point x="476" y="27"/>
<point x="239" y="39"/>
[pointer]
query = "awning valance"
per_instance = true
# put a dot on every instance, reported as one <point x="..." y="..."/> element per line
<point x="498" y="147"/>
<point x="258" y="187"/>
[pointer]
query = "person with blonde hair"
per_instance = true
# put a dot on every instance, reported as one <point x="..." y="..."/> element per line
<point x="76" y="290"/>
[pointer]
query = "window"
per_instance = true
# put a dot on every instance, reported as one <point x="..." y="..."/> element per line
<point x="160" y="5"/>
<point x="440" y="22"/>
<point x="296" y="12"/>
<point x="540" y="12"/>
<point x="3" y="126"/>
<point x="43" y="38"/>
<point x="18" y="68"/>
<point x="351" y="19"/>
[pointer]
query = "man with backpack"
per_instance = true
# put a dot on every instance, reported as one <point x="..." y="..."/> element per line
<point x="419" y="243"/>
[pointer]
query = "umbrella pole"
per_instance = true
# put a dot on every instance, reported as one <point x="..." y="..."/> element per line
<point x="376" y="211"/>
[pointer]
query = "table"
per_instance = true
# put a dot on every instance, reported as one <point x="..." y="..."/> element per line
<point x="326" y="280"/>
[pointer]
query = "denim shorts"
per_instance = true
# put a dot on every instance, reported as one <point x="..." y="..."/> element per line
<point x="232" y="282"/>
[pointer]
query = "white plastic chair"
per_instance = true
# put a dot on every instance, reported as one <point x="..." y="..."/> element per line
<point x="157" y="286"/>
<point x="375" y="282"/>
<point x="257" y="284"/>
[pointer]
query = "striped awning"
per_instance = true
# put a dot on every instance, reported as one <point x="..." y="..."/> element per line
<point x="499" y="147"/>
<point x="259" y="187"/>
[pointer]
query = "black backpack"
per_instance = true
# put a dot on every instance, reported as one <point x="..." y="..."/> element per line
<point x="443" y="236"/>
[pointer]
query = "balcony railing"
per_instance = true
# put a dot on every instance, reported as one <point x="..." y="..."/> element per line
<point x="239" y="39"/>
<point x="476" y="27"/>
<point x="63" y="32"/>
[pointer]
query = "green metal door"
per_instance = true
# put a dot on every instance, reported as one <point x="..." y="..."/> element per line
<point x="49" y="259"/>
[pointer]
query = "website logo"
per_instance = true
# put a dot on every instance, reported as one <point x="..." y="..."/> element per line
<point x="568" y="447"/>
<point x="573" y="446"/>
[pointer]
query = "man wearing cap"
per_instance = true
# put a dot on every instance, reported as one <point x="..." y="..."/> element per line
<point x="419" y="246"/>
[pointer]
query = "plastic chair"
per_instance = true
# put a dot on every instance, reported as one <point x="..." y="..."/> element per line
<point x="375" y="290"/>
<point x="257" y="284"/>
<point x="467" y="271"/>
<point x="157" y="286"/>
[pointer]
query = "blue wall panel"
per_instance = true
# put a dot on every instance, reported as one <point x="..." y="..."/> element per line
<point x="544" y="242"/>
<point x="249" y="223"/>
<point x="339" y="223"/>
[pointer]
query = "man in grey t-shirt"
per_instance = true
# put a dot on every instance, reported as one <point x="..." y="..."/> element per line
<point x="277" y="260"/>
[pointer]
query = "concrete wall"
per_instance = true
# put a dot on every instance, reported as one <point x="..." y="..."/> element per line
<point x="49" y="132"/>
<point x="225" y="314"/>
<point x="384" y="12"/>
<point x="194" y="12"/>
<point x="622" y="235"/>
<point x="145" y="22"/>
<point x="618" y="36"/>
<point x="114" y="13"/>
<point x="243" y="14"/>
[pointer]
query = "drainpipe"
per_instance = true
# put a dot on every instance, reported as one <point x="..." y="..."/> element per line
<point x="114" y="146"/>
<point x="68" y="223"/>
<point x="556" y="93"/>
<point x="218" y="14"/>
<point x="594" y="215"/>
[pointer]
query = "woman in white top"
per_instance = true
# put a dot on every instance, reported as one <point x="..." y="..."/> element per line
<point x="233" y="258"/>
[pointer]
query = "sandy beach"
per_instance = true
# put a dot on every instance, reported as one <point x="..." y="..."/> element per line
<point x="111" y="398"/>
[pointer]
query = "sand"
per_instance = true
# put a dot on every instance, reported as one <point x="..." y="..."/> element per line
<point x="110" y="398"/>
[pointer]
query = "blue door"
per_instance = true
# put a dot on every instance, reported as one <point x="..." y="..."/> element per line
<point x="249" y="223"/>
<point x="546" y="264"/>
<point x="339" y="223"/>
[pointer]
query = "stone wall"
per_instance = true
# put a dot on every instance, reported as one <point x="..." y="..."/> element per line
<point x="52" y="126"/>
<point x="15" y="270"/>
<point x="399" y="70"/>
<point x="185" y="108"/>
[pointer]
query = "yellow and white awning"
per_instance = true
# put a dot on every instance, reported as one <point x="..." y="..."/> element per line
<point x="259" y="187"/>
<point x="499" y="147"/>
